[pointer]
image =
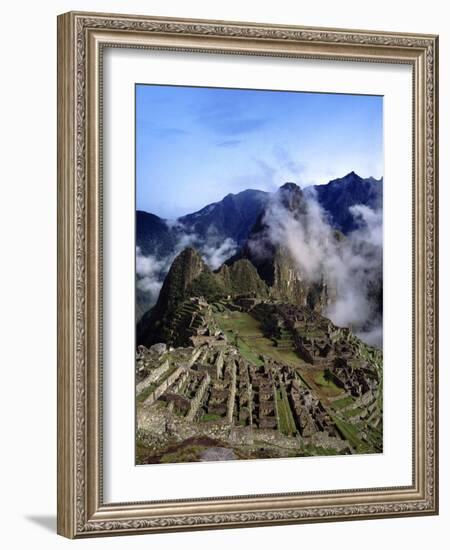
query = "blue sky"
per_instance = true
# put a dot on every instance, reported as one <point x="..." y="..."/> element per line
<point x="196" y="145"/>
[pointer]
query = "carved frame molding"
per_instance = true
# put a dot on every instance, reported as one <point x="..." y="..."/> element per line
<point x="81" y="38"/>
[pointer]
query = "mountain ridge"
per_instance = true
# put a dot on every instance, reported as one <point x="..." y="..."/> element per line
<point x="370" y="195"/>
<point x="231" y="221"/>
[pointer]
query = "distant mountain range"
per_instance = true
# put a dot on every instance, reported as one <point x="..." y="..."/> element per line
<point x="337" y="196"/>
<point x="244" y="274"/>
<point x="232" y="220"/>
<point x="235" y="214"/>
<point x="232" y="217"/>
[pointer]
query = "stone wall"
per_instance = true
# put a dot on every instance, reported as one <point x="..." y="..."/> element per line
<point x="164" y="386"/>
<point x="152" y="377"/>
<point x="195" y="355"/>
<point x="232" y="392"/>
<point x="219" y="365"/>
<point x="197" y="400"/>
<point x="181" y="381"/>
<point x="275" y="402"/>
<point x="322" y="439"/>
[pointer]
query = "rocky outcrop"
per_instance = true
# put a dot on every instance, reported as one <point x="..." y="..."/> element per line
<point x="188" y="276"/>
<point x="242" y="278"/>
<point x="273" y="261"/>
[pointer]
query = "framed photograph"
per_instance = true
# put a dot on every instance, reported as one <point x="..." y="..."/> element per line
<point x="247" y="274"/>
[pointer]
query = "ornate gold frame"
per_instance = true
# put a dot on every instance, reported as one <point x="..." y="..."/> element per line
<point x="81" y="37"/>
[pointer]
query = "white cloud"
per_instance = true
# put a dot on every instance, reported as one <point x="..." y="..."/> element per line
<point x="151" y="271"/>
<point x="352" y="266"/>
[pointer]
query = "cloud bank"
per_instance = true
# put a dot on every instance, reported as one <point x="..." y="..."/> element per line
<point x="351" y="266"/>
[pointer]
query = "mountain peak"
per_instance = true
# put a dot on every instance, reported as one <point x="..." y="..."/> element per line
<point x="338" y="195"/>
<point x="230" y="217"/>
<point x="292" y="198"/>
<point x="188" y="253"/>
<point x="186" y="267"/>
<point x="351" y="176"/>
<point x="290" y="186"/>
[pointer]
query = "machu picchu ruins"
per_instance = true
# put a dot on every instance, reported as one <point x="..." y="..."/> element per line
<point x="251" y="378"/>
<point x="243" y="362"/>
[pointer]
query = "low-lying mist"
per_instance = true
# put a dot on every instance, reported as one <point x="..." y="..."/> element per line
<point x="152" y="268"/>
<point x="350" y="265"/>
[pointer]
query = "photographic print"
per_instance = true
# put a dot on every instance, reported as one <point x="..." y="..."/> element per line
<point x="259" y="274"/>
<point x="226" y="300"/>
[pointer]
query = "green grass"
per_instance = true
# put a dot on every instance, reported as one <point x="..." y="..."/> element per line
<point x="149" y="389"/>
<point x="141" y="452"/>
<point x="342" y="403"/>
<point x="375" y="438"/>
<point x="287" y="424"/>
<point x="239" y="321"/>
<point x="351" y="434"/>
<point x="328" y="387"/>
<point x="352" y="412"/>
<point x="248" y="352"/>
<point x="209" y="417"/>
<point x="145" y="393"/>
<point x="246" y="333"/>
<point x="380" y="394"/>
<point x="287" y="356"/>
<point x="186" y="454"/>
